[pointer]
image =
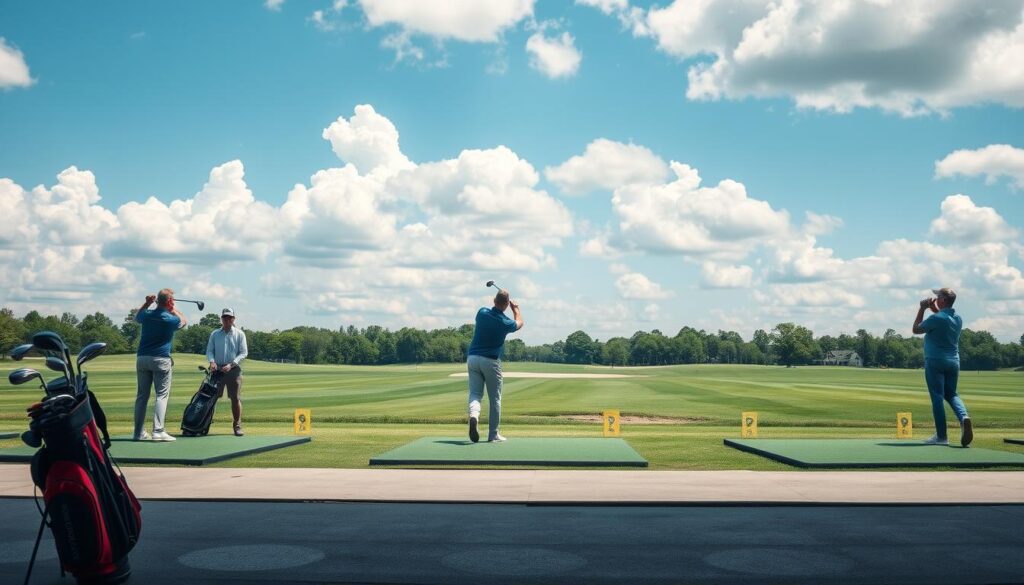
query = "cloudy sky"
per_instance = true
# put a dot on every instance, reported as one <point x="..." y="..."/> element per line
<point x="617" y="165"/>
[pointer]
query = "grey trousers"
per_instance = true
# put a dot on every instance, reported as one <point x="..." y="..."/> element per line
<point x="484" y="371"/>
<point x="152" y="372"/>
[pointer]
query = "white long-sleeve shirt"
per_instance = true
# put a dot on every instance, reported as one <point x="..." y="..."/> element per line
<point x="227" y="347"/>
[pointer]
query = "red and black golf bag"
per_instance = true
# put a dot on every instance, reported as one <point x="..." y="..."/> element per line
<point x="93" y="515"/>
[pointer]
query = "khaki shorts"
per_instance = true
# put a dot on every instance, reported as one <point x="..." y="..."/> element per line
<point x="233" y="381"/>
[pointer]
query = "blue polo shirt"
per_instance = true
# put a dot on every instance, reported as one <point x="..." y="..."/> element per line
<point x="942" y="335"/>
<point x="158" y="327"/>
<point x="489" y="335"/>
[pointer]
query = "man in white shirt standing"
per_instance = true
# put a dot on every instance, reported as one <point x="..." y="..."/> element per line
<point x="225" y="351"/>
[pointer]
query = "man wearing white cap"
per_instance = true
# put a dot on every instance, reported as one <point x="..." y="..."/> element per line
<point x="942" y="363"/>
<point x="225" y="351"/>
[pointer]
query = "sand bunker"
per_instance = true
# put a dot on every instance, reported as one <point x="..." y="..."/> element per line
<point x="551" y="375"/>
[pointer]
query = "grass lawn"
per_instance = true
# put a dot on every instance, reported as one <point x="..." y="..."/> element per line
<point x="363" y="411"/>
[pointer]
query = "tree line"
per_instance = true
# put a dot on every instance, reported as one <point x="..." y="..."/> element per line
<point x="786" y="344"/>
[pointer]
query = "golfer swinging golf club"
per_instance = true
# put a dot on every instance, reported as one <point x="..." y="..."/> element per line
<point x="483" y="360"/>
<point x="942" y="363"/>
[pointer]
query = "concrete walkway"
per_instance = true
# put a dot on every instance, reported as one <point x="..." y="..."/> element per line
<point x="554" y="487"/>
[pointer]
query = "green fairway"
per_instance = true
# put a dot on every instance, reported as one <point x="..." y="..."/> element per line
<point x="362" y="411"/>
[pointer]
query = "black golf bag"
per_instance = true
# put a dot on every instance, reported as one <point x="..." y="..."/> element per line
<point x="198" y="415"/>
<point x="93" y="514"/>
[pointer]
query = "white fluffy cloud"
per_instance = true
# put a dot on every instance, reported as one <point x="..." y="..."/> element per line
<point x="469" y="21"/>
<point x="605" y="6"/>
<point x="963" y="221"/>
<point x="682" y="217"/>
<point x="992" y="161"/>
<point x="910" y="56"/>
<point x="367" y="140"/>
<point x="555" y="57"/>
<point x="606" y="165"/>
<point x="51" y="241"/>
<point x="726" y="276"/>
<point x="634" y="285"/>
<point x="274" y="5"/>
<point x="222" y="223"/>
<point x="13" y="68"/>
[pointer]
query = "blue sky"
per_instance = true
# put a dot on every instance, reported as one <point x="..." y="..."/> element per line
<point x="460" y="123"/>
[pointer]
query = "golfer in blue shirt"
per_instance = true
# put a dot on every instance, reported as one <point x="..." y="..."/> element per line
<point x="153" y="361"/>
<point x="483" y="360"/>
<point x="942" y="363"/>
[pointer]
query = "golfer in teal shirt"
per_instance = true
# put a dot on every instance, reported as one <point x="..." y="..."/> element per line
<point x="942" y="363"/>
<point x="483" y="361"/>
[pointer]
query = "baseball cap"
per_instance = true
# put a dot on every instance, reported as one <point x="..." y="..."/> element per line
<point x="227" y="313"/>
<point x="945" y="292"/>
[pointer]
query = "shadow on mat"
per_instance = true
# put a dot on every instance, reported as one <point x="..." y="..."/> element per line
<point x="455" y="442"/>
<point x="951" y="446"/>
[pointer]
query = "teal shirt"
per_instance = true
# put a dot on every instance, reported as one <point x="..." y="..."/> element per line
<point x="158" y="329"/>
<point x="489" y="336"/>
<point x="942" y="335"/>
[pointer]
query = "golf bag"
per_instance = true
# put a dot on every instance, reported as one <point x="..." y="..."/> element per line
<point x="93" y="514"/>
<point x="198" y="415"/>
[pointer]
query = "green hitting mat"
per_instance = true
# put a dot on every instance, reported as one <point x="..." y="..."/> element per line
<point x="184" y="451"/>
<point x="824" y="453"/>
<point x="583" y="452"/>
<point x="1014" y="441"/>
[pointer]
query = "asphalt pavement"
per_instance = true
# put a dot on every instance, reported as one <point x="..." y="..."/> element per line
<point x="493" y="544"/>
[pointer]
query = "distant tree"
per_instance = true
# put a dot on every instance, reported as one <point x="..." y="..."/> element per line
<point x="211" y="320"/>
<point x="99" y="327"/>
<point x="792" y="343"/>
<point x="12" y="332"/>
<point x="411" y="345"/>
<point x="515" y="350"/>
<point x="579" y="348"/>
<point x="615" y="351"/>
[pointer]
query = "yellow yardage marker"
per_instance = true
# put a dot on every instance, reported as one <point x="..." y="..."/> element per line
<point x="904" y="425"/>
<point x="748" y="425"/>
<point x="611" y="423"/>
<point x="303" y="421"/>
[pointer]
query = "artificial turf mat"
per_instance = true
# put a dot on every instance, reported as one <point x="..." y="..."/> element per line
<point x="1014" y="441"/>
<point x="823" y="453"/>
<point x="575" y="452"/>
<point x="184" y="451"/>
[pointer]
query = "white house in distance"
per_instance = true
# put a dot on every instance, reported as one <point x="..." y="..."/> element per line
<point x="842" y="357"/>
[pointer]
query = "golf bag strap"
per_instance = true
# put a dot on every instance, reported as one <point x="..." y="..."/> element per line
<point x="101" y="418"/>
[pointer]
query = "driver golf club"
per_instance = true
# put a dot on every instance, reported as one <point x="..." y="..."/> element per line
<point x="199" y="304"/>
<point x="491" y="283"/>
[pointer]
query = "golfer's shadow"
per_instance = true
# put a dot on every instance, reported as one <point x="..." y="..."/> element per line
<point x="915" y="445"/>
<point x="454" y="442"/>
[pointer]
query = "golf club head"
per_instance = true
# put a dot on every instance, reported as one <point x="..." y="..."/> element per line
<point x="89" y="352"/>
<point x="49" y="341"/>
<point x="21" y="351"/>
<point x="23" y="375"/>
<point x="32" y="439"/>
<point x="57" y="365"/>
<point x="490" y="283"/>
<point x="201" y="305"/>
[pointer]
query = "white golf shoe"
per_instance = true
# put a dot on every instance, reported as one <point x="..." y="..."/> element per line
<point x="935" y="440"/>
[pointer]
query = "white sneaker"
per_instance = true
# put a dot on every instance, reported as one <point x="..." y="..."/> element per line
<point x="935" y="440"/>
<point x="143" y="437"/>
<point x="162" y="436"/>
<point x="497" y="439"/>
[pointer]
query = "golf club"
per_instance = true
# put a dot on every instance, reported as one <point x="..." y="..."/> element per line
<point x="491" y="283"/>
<point x="89" y="352"/>
<point x="23" y="375"/>
<point x="58" y="365"/>
<point x="199" y="304"/>
<point x="50" y="341"/>
<point x="21" y="351"/>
